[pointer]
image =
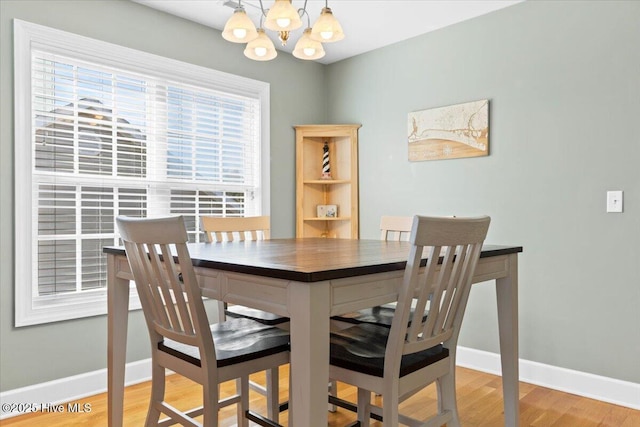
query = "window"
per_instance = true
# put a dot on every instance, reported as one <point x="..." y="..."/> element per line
<point x="103" y="131"/>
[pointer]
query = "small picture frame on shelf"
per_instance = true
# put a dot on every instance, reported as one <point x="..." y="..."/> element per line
<point x="327" y="211"/>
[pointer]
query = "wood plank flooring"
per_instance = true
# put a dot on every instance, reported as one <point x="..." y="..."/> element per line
<point x="479" y="401"/>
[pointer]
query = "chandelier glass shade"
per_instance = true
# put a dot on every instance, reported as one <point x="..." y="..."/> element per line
<point x="308" y="48"/>
<point x="261" y="48"/>
<point x="239" y="28"/>
<point x="327" y="28"/>
<point x="283" y="18"/>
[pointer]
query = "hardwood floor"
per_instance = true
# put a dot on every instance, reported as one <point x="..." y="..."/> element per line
<point x="479" y="401"/>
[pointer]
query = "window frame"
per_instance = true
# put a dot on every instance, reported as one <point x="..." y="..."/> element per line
<point x="30" y="308"/>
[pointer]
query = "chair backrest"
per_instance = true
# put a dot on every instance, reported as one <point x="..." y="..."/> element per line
<point x="218" y="229"/>
<point x="169" y="292"/>
<point x="452" y="247"/>
<point x="395" y="227"/>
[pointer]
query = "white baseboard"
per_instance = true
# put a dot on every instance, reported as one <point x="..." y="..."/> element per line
<point x="610" y="390"/>
<point x="68" y="389"/>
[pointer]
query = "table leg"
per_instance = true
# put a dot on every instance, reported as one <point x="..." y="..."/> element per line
<point x="507" y="297"/>
<point x="117" y="320"/>
<point x="309" y="308"/>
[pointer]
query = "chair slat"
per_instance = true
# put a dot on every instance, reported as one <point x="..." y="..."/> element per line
<point x="154" y="278"/>
<point x="428" y="285"/>
<point x="172" y="303"/>
<point x="140" y="268"/>
<point x="179" y="303"/>
<point x="164" y="300"/>
<point x="449" y="283"/>
<point x="473" y="253"/>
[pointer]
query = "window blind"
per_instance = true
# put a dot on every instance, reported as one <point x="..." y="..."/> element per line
<point x="109" y="142"/>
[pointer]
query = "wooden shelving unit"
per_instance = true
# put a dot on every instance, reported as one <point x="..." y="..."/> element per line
<point x="341" y="190"/>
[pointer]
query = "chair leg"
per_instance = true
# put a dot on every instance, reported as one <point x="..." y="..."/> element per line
<point x="364" y="407"/>
<point x="221" y="311"/>
<point x="290" y="397"/>
<point x="273" y="398"/>
<point x="242" y="385"/>
<point x="157" y="394"/>
<point x="210" y="397"/>
<point x="333" y="391"/>
<point x="446" y="388"/>
<point x="390" y="403"/>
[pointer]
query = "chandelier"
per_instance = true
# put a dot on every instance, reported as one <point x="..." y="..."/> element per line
<point x="283" y="18"/>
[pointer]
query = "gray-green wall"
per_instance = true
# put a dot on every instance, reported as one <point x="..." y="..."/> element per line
<point x="36" y="354"/>
<point x="563" y="80"/>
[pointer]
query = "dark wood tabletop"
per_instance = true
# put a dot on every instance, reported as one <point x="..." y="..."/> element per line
<point x="309" y="259"/>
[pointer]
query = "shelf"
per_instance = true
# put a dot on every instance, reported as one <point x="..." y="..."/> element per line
<point x="327" y="181"/>
<point x="340" y="218"/>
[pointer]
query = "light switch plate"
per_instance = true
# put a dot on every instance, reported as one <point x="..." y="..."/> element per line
<point x="614" y="201"/>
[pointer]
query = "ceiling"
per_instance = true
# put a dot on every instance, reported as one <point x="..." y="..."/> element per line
<point x="361" y="20"/>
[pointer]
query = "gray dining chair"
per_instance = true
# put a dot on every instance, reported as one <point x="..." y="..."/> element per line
<point x="182" y="340"/>
<point x="252" y="228"/>
<point x="392" y="228"/>
<point x="398" y="361"/>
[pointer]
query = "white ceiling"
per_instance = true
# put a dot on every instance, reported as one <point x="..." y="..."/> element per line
<point x="361" y="20"/>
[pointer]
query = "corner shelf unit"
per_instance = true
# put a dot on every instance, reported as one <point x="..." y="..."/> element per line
<point x="341" y="190"/>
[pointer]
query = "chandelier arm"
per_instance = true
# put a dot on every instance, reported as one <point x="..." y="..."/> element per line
<point x="264" y="12"/>
<point x="304" y="12"/>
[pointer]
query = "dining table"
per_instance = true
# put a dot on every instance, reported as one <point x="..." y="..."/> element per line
<point x="310" y="280"/>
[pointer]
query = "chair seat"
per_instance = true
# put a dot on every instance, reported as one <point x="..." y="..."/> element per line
<point x="264" y="317"/>
<point x="362" y="347"/>
<point x="236" y="341"/>
<point x="381" y="315"/>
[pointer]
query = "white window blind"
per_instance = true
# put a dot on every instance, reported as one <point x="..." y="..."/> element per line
<point x="109" y="140"/>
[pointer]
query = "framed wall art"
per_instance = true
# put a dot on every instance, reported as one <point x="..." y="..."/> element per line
<point x="451" y="132"/>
